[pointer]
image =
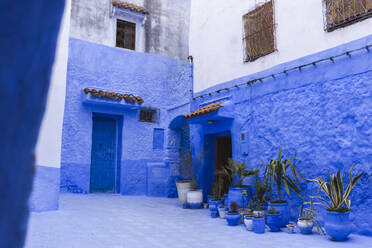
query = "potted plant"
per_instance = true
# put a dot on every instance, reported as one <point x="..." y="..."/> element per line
<point x="244" y="211"/>
<point x="273" y="220"/>
<point x="213" y="210"/>
<point x="185" y="182"/>
<point x="215" y="202"/>
<point x="187" y="188"/>
<point x="195" y="195"/>
<point x="278" y="176"/>
<point x="307" y="219"/>
<point x="222" y="210"/>
<point x="194" y="198"/>
<point x="258" y="223"/>
<point x="259" y="208"/>
<point x="337" y="223"/>
<point x="236" y="192"/>
<point x="233" y="216"/>
<point x="248" y="222"/>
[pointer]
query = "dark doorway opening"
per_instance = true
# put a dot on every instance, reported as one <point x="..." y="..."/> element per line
<point x="223" y="151"/>
<point x="103" y="155"/>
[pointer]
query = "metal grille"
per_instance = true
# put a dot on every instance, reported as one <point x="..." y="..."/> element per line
<point x="148" y="115"/>
<point x="340" y="13"/>
<point x="126" y="35"/>
<point x="259" y="32"/>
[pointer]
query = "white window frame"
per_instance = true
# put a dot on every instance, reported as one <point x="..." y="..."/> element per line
<point x="130" y="16"/>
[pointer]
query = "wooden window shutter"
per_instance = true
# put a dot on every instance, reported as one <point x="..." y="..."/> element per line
<point x="126" y="35"/>
<point x="259" y="32"/>
<point x="340" y="13"/>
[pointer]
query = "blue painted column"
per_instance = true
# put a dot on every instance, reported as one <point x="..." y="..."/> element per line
<point x="28" y="37"/>
<point x="197" y="144"/>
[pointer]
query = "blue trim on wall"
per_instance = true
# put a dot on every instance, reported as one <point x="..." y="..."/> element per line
<point x="45" y="190"/>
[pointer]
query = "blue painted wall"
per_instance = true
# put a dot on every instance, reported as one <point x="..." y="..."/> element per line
<point x="321" y="114"/>
<point x="162" y="82"/>
<point x="45" y="189"/>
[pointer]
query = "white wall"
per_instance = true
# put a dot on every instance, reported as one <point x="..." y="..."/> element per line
<point x="48" y="149"/>
<point x="93" y="21"/>
<point x="216" y="33"/>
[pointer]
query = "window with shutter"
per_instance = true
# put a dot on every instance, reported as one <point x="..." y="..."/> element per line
<point x="259" y="32"/>
<point x="341" y="13"/>
<point x="148" y="115"/>
<point x="125" y="34"/>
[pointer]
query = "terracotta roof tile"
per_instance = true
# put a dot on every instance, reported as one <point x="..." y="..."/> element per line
<point x="205" y="110"/>
<point x="113" y="95"/>
<point x="130" y="6"/>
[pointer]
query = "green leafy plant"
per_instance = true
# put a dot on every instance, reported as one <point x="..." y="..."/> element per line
<point x="338" y="199"/>
<point x="239" y="169"/>
<point x="224" y="178"/>
<point x="277" y="173"/>
<point x="217" y="188"/>
<point x="261" y="190"/>
<point x="308" y="213"/>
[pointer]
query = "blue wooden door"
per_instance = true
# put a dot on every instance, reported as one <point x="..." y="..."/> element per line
<point x="102" y="173"/>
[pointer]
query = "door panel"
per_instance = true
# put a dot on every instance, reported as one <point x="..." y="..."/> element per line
<point x="223" y="151"/>
<point x="102" y="175"/>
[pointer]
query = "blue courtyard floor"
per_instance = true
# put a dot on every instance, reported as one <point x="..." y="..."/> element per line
<point x="115" y="221"/>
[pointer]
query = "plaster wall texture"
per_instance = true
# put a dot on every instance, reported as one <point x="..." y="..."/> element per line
<point x="216" y="32"/>
<point x="152" y="77"/>
<point x="48" y="148"/>
<point x="165" y="31"/>
<point x="320" y="114"/>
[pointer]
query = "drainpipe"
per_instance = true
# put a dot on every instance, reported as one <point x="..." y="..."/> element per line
<point x="191" y="62"/>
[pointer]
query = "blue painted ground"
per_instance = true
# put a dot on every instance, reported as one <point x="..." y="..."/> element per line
<point x="117" y="221"/>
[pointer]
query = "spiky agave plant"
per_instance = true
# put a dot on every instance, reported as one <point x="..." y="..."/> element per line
<point x="261" y="190"/>
<point x="241" y="170"/>
<point x="276" y="172"/>
<point x="338" y="199"/>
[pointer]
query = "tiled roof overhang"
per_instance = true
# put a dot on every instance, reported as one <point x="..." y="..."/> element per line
<point x="113" y="95"/>
<point x="130" y="6"/>
<point x="205" y="110"/>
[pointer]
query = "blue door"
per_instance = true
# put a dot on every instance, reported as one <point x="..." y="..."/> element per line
<point x="102" y="172"/>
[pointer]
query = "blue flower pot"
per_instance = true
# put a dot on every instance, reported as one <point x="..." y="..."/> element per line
<point x="235" y="195"/>
<point x="283" y="209"/>
<point x="213" y="208"/>
<point x="233" y="219"/>
<point x="273" y="221"/>
<point x="195" y="205"/>
<point x="214" y="213"/>
<point x="337" y="225"/>
<point x="305" y="225"/>
<point x="214" y="202"/>
<point x="258" y="225"/>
